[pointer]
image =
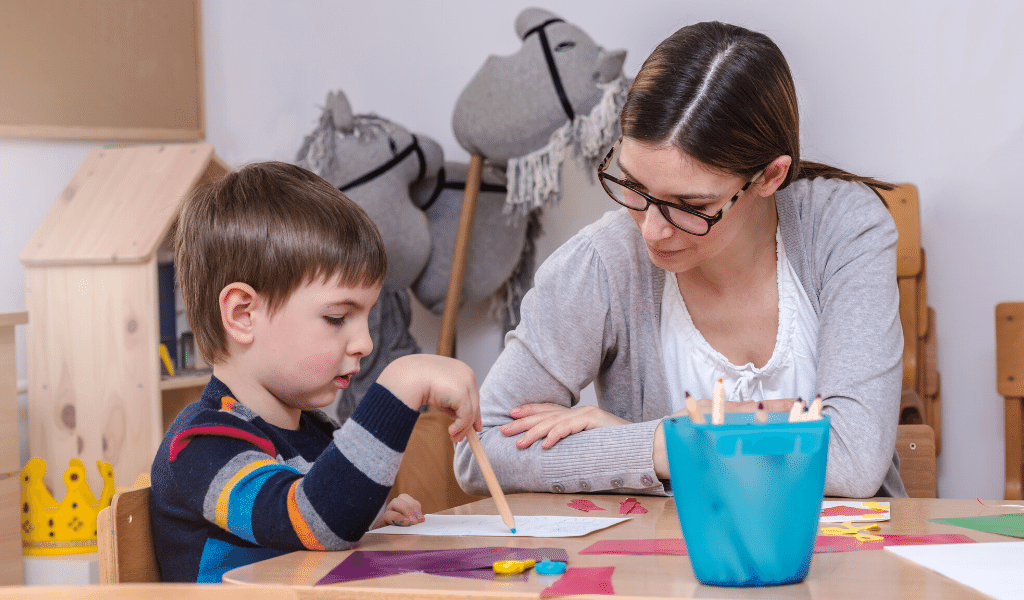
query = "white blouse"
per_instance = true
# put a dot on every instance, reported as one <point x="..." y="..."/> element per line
<point x="692" y="365"/>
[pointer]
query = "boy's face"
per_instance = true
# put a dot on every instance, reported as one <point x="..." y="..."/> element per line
<point x="310" y="348"/>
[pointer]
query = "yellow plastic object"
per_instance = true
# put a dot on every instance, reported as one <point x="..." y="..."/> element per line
<point x="165" y="356"/>
<point x="513" y="567"/>
<point x="49" y="528"/>
<point x="849" y="529"/>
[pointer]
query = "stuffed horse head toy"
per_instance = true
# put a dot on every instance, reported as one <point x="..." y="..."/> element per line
<point x="560" y="92"/>
<point x="500" y="249"/>
<point x="377" y="163"/>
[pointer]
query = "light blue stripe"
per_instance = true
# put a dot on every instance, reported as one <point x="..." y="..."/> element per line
<point x="219" y="557"/>
<point x="243" y="495"/>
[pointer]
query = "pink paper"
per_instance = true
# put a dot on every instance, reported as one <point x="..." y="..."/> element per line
<point x="823" y="543"/>
<point x="849" y="511"/>
<point x="582" y="580"/>
<point x="931" y="538"/>
<point x="665" y="546"/>
<point x="630" y="505"/>
<point x="843" y="543"/>
<point x="584" y="505"/>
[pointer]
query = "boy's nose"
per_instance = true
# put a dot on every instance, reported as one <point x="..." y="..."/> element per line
<point x="361" y="344"/>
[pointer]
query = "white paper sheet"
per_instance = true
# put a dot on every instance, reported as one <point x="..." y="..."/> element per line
<point x="993" y="568"/>
<point x="868" y="515"/>
<point x="492" y="525"/>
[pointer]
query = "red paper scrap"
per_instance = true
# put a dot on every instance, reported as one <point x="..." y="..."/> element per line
<point x="666" y="546"/>
<point x="631" y="506"/>
<point x="582" y="580"/>
<point x="849" y="511"/>
<point x="823" y="543"/>
<point x="584" y="505"/>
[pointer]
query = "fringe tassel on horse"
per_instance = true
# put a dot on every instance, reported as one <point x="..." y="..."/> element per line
<point x="535" y="180"/>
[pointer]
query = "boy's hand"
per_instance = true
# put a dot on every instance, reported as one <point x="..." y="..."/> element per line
<point x="404" y="510"/>
<point x="445" y="383"/>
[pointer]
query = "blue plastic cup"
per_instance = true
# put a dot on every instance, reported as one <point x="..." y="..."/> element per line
<point x="748" y="496"/>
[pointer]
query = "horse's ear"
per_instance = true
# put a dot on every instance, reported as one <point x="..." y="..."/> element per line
<point x="341" y="111"/>
<point x="608" y="65"/>
<point x="530" y="18"/>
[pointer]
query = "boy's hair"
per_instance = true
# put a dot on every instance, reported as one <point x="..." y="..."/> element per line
<point x="273" y="226"/>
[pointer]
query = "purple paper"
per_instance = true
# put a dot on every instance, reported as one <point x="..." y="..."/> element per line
<point x="476" y="563"/>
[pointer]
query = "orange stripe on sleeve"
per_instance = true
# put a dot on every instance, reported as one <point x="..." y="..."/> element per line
<point x="225" y="493"/>
<point x="299" y="522"/>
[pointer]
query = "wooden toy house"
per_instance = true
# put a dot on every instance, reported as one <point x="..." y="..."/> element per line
<point x="96" y="389"/>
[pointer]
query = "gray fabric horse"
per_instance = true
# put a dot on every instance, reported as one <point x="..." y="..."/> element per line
<point x="375" y="162"/>
<point x="560" y="93"/>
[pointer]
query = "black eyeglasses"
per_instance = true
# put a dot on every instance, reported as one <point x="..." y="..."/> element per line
<point x="687" y="218"/>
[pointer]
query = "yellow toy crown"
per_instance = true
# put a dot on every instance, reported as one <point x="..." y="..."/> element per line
<point x="66" y="528"/>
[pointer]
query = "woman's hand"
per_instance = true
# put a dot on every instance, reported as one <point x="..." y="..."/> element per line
<point x="404" y="510"/>
<point x="554" y="422"/>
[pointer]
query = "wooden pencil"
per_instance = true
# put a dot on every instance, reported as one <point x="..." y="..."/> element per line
<point x="718" y="403"/>
<point x="492" y="481"/>
<point x="696" y="417"/>
<point x="761" y="415"/>
<point x="814" y="412"/>
<point x="796" y="411"/>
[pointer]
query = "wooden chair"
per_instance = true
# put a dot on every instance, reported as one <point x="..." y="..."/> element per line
<point x="915" y="445"/>
<point x="125" y="540"/>
<point x="1010" y="383"/>
<point x="920" y="372"/>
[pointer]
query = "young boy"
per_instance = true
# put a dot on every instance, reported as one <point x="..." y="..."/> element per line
<point x="278" y="271"/>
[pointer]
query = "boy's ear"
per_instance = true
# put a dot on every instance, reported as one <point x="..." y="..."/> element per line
<point x="237" y="302"/>
<point x="774" y="175"/>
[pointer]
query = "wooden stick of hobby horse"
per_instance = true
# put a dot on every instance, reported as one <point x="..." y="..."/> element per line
<point x="446" y="342"/>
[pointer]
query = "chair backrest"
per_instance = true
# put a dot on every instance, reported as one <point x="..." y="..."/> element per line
<point x="1010" y="383"/>
<point x="125" y="540"/>
<point x="915" y="445"/>
<point x="920" y="372"/>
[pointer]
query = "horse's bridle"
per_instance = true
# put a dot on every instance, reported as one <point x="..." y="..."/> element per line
<point x="441" y="184"/>
<point x="413" y="146"/>
<point x="552" y="67"/>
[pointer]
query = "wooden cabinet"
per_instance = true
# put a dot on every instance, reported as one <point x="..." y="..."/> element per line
<point x="95" y="387"/>
<point x="11" y="570"/>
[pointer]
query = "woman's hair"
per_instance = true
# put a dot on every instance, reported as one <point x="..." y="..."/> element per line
<point x="273" y="226"/>
<point x="723" y="95"/>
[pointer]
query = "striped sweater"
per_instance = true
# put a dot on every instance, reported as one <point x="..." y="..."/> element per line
<point x="230" y="489"/>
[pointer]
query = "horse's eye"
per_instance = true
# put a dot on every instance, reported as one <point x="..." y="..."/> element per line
<point x="394" y="148"/>
<point x="566" y="45"/>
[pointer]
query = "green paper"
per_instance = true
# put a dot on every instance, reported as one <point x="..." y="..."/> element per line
<point x="1003" y="524"/>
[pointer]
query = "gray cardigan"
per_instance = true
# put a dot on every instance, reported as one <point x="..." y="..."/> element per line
<point x="593" y="315"/>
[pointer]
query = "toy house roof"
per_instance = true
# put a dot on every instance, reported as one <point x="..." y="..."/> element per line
<point x="120" y="204"/>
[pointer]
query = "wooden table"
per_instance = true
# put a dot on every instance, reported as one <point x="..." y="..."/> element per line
<point x="874" y="574"/>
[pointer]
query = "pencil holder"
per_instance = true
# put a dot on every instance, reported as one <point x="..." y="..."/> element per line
<point x="748" y="496"/>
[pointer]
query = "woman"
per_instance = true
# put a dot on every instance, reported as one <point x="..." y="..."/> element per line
<point x="775" y="274"/>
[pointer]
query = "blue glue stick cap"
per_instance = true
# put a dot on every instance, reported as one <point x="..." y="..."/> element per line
<point x="550" y="567"/>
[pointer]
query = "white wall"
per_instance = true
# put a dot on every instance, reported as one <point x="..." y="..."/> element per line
<point x="925" y="92"/>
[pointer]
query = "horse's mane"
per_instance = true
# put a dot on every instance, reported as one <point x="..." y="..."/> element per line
<point x="535" y="180"/>
<point x="320" y="148"/>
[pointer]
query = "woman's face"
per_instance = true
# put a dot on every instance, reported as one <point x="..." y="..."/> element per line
<point x="666" y="173"/>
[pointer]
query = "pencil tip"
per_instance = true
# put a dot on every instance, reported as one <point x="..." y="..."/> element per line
<point x="513" y="530"/>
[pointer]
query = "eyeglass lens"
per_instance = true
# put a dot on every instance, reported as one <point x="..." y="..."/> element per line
<point x="678" y="217"/>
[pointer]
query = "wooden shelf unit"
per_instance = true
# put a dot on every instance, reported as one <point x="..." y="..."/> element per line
<point x="94" y="380"/>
